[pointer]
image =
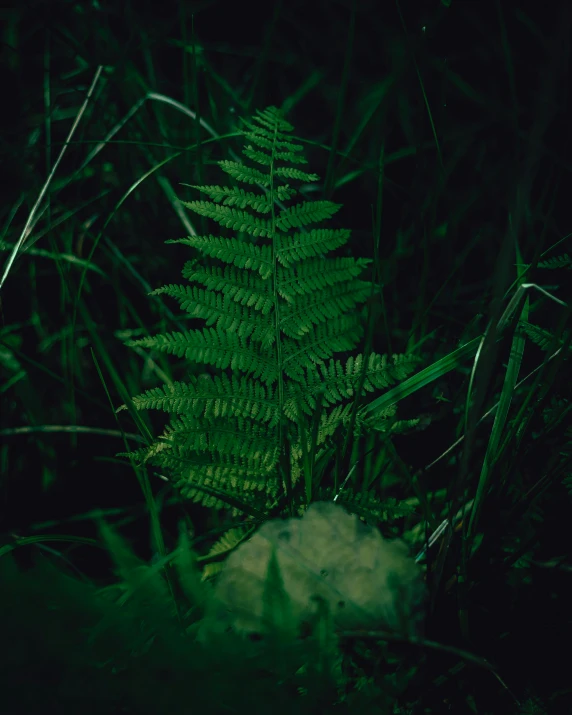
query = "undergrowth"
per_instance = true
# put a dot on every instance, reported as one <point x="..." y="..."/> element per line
<point x="441" y="135"/>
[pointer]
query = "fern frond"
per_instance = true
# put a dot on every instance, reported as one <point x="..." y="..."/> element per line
<point x="290" y="173"/>
<point x="233" y="251"/>
<point x="216" y="347"/>
<point x="222" y="311"/>
<point x="242" y="287"/>
<point x="334" y="382"/>
<point x="302" y="317"/>
<point x="232" y="218"/>
<point x="305" y="213"/>
<point x="314" y="275"/>
<point x="368" y="504"/>
<point x="243" y="173"/>
<point x="225" y="544"/>
<point x="235" y="196"/>
<point x="277" y="309"/>
<point x="213" y="397"/>
<point x="315" y="242"/>
<point x="563" y="261"/>
<point x="239" y="436"/>
<point x="541" y="337"/>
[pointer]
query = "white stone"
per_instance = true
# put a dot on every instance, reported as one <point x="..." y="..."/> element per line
<point x="367" y="581"/>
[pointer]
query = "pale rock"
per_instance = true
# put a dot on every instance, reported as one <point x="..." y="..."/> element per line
<point x="366" y="581"/>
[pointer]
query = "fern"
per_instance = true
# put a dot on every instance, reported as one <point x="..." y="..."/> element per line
<point x="541" y="337"/>
<point x="563" y="261"/>
<point x="276" y="310"/>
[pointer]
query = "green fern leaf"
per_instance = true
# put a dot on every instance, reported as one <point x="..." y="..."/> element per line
<point x="234" y="196"/>
<point x="277" y="309"/>
<point x="563" y="261"/>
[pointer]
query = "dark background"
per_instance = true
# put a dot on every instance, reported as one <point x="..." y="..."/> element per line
<point x="471" y="104"/>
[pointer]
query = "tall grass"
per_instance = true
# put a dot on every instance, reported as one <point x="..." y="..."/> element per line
<point x="444" y="132"/>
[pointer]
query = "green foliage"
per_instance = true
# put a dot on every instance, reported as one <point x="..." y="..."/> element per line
<point x="276" y="310"/>
<point x="543" y="338"/>
<point x="368" y="505"/>
<point x="127" y="648"/>
<point x="563" y="261"/>
<point x="429" y="143"/>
